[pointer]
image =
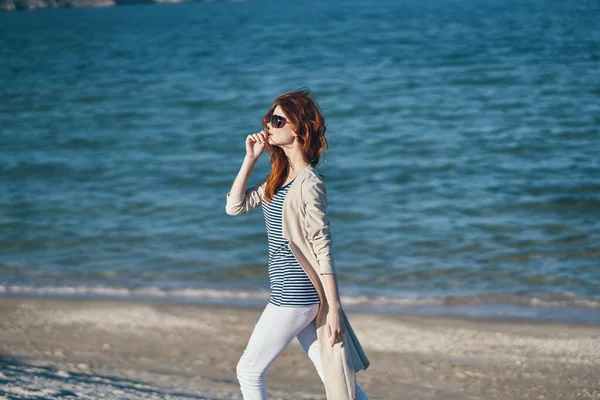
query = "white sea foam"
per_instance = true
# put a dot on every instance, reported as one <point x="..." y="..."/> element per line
<point x="236" y="295"/>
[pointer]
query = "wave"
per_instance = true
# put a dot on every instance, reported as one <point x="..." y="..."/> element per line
<point x="235" y="295"/>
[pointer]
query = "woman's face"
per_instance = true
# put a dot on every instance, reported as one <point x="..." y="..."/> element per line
<point x="283" y="136"/>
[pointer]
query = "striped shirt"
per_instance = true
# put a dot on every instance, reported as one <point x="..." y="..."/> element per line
<point x="290" y="286"/>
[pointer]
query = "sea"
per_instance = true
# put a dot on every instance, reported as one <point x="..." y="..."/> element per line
<point x="462" y="168"/>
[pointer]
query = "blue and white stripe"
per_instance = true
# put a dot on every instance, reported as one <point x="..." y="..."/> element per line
<point x="290" y="286"/>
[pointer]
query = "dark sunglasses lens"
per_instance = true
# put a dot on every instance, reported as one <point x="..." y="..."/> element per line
<point x="277" y="121"/>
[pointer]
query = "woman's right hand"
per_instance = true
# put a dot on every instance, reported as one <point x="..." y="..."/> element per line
<point x="255" y="144"/>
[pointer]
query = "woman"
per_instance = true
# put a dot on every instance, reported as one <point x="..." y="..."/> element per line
<point x="304" y="300"/>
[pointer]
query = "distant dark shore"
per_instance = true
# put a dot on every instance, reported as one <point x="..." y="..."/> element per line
<point x="20" y="5"/>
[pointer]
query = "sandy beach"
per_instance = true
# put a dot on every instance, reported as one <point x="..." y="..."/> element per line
<point x="65" y="348"/>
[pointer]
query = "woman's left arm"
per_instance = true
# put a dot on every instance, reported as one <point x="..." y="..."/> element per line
<point x="335" y="326"/>
<point x="319" y="235"/>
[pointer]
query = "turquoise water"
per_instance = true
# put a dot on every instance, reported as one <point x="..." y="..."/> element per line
<point x="463" y="171"/>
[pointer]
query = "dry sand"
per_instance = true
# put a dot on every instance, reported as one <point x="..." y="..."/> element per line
<point x="64" y="348"/>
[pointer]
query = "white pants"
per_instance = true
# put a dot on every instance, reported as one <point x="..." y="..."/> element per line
<point x="274" y="331"/>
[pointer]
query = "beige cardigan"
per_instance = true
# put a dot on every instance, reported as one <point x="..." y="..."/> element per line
<point x="306" y="226"/>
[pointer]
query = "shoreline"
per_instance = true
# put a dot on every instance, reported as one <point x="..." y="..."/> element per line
<point x="478" y="311"/>
<point x="191" y="350"/>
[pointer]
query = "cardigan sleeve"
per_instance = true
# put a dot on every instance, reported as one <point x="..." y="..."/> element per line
<point x="316" y="224"/>
<point x="248" y="201"/>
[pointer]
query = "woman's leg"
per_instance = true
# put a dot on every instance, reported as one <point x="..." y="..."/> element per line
<point x="308" y="340"/>
<point x="275" y="329"/>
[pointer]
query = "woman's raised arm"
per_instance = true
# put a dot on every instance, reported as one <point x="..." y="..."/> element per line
<point x="239" y="199"/>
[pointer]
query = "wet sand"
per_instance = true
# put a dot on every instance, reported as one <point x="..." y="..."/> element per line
<point x="65" y="348"/>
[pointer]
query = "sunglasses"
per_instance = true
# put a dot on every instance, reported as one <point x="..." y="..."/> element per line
<point x="277" y="121"/>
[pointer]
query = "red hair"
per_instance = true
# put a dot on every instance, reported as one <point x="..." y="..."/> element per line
<point x="307" y="121"/>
